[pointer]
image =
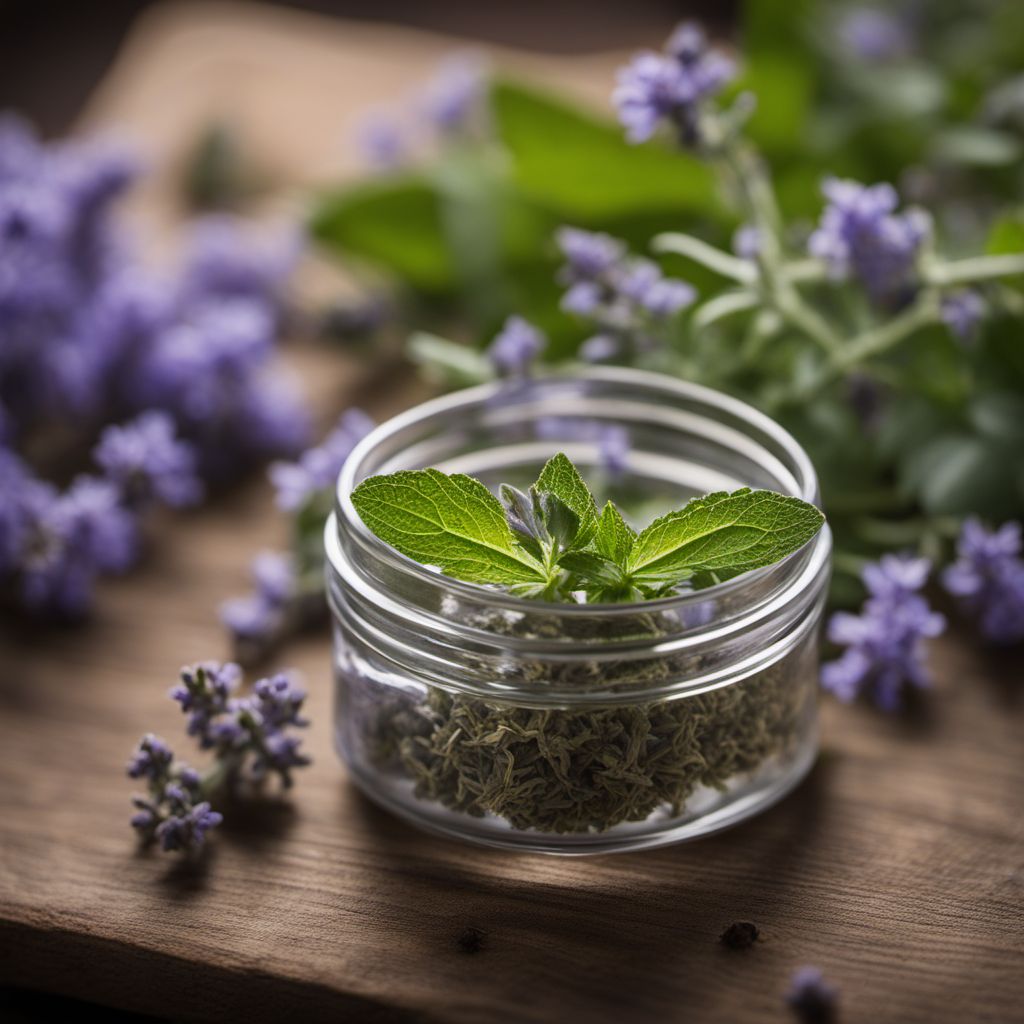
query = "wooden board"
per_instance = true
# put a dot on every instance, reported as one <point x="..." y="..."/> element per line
<point x="897" y="867"/>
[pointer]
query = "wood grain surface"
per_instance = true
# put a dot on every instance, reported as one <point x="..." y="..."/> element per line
<point x="896" y="868"/>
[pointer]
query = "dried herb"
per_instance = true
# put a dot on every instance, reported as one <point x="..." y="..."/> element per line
<point x="589" y="767"/>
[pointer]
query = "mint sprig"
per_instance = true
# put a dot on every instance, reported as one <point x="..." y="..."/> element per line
<point x="551" y="542"/>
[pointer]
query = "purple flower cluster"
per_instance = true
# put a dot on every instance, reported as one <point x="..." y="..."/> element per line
<point x="671" y="87"/>
<point x="988" y="580"/>
<point x="88" y="337"/>
<point x="316" y="471"/>
<point x="612" y="440"/>
<point x="236" y="727"/>
<point x="627" y="297"/>
<point x="885" y="642"/>
<point x="812" y="999"/>
<point x="54" y="545"/>
<point x="860" y="234"/>
<point x="962" y="312"/>
<point x="874" y="35"/>
<point x="249" y="735"/>
<point x="515" y="348"/>
<point x="258" y="619"/>
<point x="173" y="813"/>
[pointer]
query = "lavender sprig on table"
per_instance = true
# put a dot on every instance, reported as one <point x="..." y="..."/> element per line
<point x="251" y="737"/>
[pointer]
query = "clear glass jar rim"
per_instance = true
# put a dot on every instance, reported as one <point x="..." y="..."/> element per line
<point x="450" y="404"/>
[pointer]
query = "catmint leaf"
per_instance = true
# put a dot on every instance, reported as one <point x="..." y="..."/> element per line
<point x="452" y="522"/>
<point x="614" y="538"/>
<point x="723" y="533"/>
<point x="561" y="523"/>
<point x="561" y="478"/>
<point x="593" y="570"/>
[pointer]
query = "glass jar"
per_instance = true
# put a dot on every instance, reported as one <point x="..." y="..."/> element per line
<point x="565" y="728"/>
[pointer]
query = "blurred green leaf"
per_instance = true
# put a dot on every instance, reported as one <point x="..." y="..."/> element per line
<point x="975" y="146"/>
<point x="448" y="362"/>
<point x="396" y="222"/>
<point x="581" y="165"/>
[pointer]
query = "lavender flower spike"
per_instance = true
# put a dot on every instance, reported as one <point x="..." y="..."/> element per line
<point x="988" y="580"/>
<point x="515" y="347"/>
<point x="962" y="313"/>
<point x="148" y="463"/>
<point x="861" y="234"/>
<point x="885" y="643"/>
<point x="671" y="87"/>
<point x="317" y="469"/>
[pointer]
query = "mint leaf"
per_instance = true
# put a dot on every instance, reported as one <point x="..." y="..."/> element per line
<point x="593" y="570"/>
<point x="614" y="537"/>
<point x="452" y="522"/>
<point x="561" y="478"/>
<point x="723" y="533"/>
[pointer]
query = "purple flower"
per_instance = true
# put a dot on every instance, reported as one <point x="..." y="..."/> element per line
<point x="204" y="693"/>
<point x="278" y="701"/>
<point x="667" y="297"/>
<point x="151" y="760"/>
<point x="614" y="446"/>
<point x="453" y="99"/>
<point x="860" y="234"/>
<point x="812" y="999"/>
<point x="515" y="347"/>
<point x="885" y="643"/>
<point x="599" y="348"/>
<point x="874" y="35"/>
<point x="187" y="830"/>
<point x="582" y="298"/>
<point x="746" y="242"/>
<point x="588" y="254"/>
<point x="671" y="87"/>
<point x="988" y="580"/>
<point x="317" y="469"/>
<point x="56" y="577"/>
<point x="101" y="529"/>
<point x="382" y="141"/>
<point x="962" y="313"/>
<point x="148" y="463"/>
<point x="260" y="616"/>
<point x="226" y="259"/>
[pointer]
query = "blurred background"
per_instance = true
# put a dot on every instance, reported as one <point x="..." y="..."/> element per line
<point x="41" y="36"/>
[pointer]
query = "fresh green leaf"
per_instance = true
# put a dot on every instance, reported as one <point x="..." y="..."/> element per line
<point x="560" y="521"/>
<point x="614" y="538"/>
<point x="724" y="532"/>
<point x="396" y="222"/>
<point x="561" y="478"/>
<point x="593" y="569"/>
<point x="582" y="165"/>
<point x="452" y="522"/>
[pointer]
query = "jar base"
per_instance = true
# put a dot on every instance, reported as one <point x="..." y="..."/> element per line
<point x="646" y="835"/>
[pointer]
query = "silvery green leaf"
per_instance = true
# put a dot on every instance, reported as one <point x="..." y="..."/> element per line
<point x="452" y="522"/>
<point x="561" y="478"/>
<point x="561" y="523"/>
<point x="593" y="569"/>
<point x="723" y="532"/>
<point x="614" y="538"/>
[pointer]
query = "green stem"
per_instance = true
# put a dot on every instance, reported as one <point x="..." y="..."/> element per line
<point x="924" y="312"/>
<point x="977" y="268"/>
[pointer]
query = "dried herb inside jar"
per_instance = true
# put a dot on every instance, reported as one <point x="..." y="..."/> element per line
<point x="588" y="768"/>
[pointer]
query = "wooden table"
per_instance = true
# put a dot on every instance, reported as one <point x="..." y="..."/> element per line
<point x="896" y="868"/>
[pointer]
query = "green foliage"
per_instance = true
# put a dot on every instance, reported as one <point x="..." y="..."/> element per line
<point x="582" y="167"/>
<point x="554" y="544"/>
